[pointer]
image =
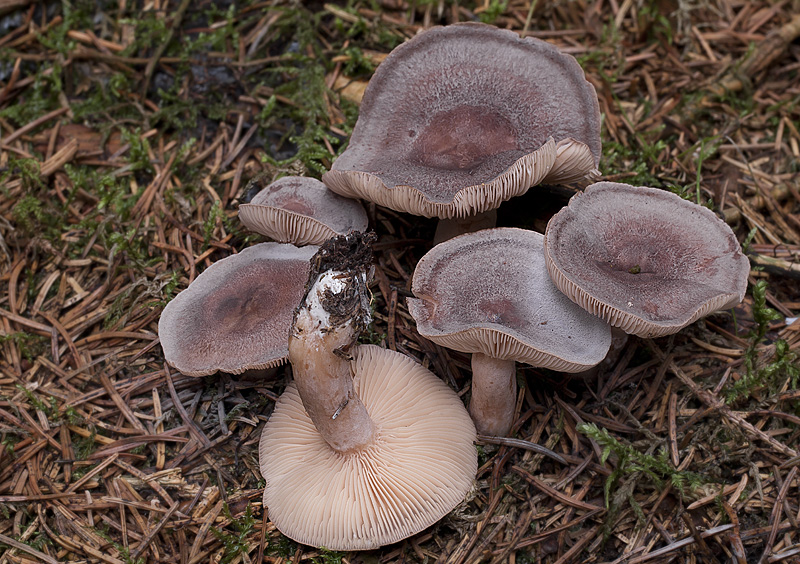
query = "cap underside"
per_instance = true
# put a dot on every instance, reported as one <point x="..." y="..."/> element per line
<point x="421" y="466"/>
<point x="469" y="199"/>
<point x="302" y="211"/>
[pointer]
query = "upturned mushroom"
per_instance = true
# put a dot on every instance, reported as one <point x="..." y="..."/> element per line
<point x="301" y="211"/>
<point x="488" y="293"/>
<point x="643" y="259"/>
<point x="463" y="117"/>
<point x="366" y="447"/>
<point x="236" y="314"/>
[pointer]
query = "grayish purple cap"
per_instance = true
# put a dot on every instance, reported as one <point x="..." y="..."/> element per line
<point x="643" y="259"/>
<point x="463" y="117"/>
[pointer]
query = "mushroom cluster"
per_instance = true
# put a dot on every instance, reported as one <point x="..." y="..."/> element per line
<point x="636" y="258"/>
<point x="367" y="447"/>
<point x="454" y="122"/>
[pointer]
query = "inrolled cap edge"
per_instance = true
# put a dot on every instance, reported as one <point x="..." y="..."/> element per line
<point x="526" y="172"/>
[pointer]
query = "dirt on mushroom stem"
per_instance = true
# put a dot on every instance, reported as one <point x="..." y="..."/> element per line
<point x="333" y="313"/>
<point x="352" y="254"/>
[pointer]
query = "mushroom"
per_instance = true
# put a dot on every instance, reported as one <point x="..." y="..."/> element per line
<point x="488" y="293"/>
<point x="461" y="118"/>
<point x="236" y="314"/>
<point x="366" y="447"/>
<point x="643" y="259"/>
<point x="301" y="211"/>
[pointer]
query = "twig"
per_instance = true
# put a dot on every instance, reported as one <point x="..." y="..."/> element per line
<point x="519" y="443"/>
<point x="774" y="517"/>
<point x="552" y="492"/>
<point x="680" y="544"/>
<point x="717" y="404"/>
<point x="151" y="65"/>
<point x="31" y="126"/>
<point x="155" y="530"/>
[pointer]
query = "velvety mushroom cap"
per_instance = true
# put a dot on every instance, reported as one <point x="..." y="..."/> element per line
<point x="302" y="211"/>
<point x="236" y="315"/>
<point x="489" y="292"/>
<point x="645" y="260"/>
<point x="420" y="467"/>
<point x="461" y="118"/>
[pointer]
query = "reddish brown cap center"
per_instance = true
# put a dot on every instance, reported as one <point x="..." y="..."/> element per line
<point x="463" y="138"/>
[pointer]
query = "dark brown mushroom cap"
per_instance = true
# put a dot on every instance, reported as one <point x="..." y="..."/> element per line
<point x="461" y="118"/>
<point x="237" y="314"/>
<point x="643" y="259"/>
<point x="302" y="211"/>
<point x="420" y="467"/>
<point x="489" y="292"/>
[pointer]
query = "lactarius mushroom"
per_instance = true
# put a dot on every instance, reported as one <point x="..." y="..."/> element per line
<point x="644" y="260"/>
<point x="366" y="447"/>
<point x="236" y="314"/>
<point x="488" y="293"/>
<point x="461" y="118"/>
<point x="301" y="211"/>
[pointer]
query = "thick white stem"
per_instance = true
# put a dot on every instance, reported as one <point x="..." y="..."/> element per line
<point x="317" y="351"/>
<point x="494" y="394"/>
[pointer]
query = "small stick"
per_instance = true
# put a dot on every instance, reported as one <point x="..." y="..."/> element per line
<point x="176" y="402"/>
<point x="673" y="433"/>
<point x="31" y="126"/>
<point x="149" y="538"/>
<point x="717" y="404"/>
<point x="787" y="508"/>
<point x="25" y="548"/>
<point x="775" y="515"/>
<point x="151" y="64"/>
<point x="680" y="544"/>
<point x="552" y="492"/>
<point x="526" y="445"/>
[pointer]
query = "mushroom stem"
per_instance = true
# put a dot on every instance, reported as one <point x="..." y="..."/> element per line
<point x="494" y="394"/>
<point x="448" y="228"/>
<point x="327" y="324"/>
<point x="321" y="367"/>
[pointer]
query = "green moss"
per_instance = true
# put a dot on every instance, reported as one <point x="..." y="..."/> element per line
<point x="235" y="543"/>
<point x="759" y="374"/>
<point x="8" y="443"/>
<point x="638" y="164"/>
<point x="216" y="214"/>
<point x="139" y="151"/>
<point x="656" y="468"/>
<point x="151" y="29"/>
<point x="85" y="446"/>
<point x="495" y="9"/>
<point x="700" y="152"/>
<point x="283" y="547"/>
<point x="37" y="100"/>
<point x="29" y="345"/>
<point x="328" y="557"/>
